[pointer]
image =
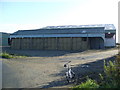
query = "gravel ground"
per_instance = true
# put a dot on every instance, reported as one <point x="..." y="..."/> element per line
<point x="44" y="69"/>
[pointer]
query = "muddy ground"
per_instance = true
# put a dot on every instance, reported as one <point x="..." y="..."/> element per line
<point x="44" y="69"/>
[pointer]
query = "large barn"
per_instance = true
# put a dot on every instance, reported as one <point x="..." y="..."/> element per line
<point x="70" y="37"/>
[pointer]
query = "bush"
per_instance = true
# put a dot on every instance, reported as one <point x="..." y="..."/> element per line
<point x="112" y="74"/>
<point x="6" y="55"/>
<point x="88" y="84"/>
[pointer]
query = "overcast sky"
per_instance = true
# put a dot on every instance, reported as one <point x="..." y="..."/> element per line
<point x="32" y="14"/>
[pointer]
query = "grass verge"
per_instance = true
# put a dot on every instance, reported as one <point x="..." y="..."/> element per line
<point x="8" y="56"/>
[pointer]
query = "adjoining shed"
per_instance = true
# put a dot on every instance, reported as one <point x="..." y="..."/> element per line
<point x="4" y="39"/>
<point x="71" y="37"/>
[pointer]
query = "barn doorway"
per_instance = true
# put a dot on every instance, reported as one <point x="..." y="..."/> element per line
<point x="96" y="43"/>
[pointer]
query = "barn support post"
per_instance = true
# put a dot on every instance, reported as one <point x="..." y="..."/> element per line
<point x="57" y="43"/>
<point x="29" y="43"/>
<point x="99" y="44"/>
<point x="21" y="46"/>
<point x="32" y="42"/>
<point x="43" y="43"/>
<point x="20" y="43"/>
<point x="87" y="41"/>
<point x="71" y="43"/>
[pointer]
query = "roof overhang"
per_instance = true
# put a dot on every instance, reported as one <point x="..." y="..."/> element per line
<point x="58" y="35"/>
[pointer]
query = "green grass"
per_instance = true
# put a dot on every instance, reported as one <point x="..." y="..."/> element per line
<point x="88" y="84"/>
<point x="8" y="56"/>
<point x="112" y="74"/>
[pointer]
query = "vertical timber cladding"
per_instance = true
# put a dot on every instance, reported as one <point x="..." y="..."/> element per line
<point x="59" y="43"/>
<point x="45" y="43"/>
<point x="53" y="43"/>
<point x="26" y="43"/>
<point x="41" y="43"/>
<point x="77" y="43"/>
<point x="85" y="43"/>
<point x="32" y="43"/>
<point x="67" y="43"/>
<point x="35" y="43"/>
<point x="22" y="45"/>
<point x="72" y="43"/>
<point x="12" y="43"/>
<point x="50" y="43"/>
<point x="64" y="43"/>
<point x="15" y="43"/>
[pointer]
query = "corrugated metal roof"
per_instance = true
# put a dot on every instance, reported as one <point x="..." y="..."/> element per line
<point x="60" y="31"/>
<point x="68" y="29"/>
<point x="107" y="26"/>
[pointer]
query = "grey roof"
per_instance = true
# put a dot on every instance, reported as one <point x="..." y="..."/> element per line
<point x="68" y="29"/>
<point x="107" y="26"/>
<point x="60" y="31"/>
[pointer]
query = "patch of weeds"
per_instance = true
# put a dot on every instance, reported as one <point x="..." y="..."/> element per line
<point x="111" y="79"/>
<point x="8" y="56"/>
<point x="88" y="84"/>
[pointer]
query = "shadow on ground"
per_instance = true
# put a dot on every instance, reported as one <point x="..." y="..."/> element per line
<point x="37" y="53"/>
<point x="91" y="70"/>
<point x="41" y="53"/>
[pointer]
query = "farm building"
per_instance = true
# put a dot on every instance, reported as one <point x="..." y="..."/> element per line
<point x="4" y="39"/>
<point x="70" y="37"/>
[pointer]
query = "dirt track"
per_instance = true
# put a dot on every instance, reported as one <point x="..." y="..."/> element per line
<point x="45" y="68"/>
